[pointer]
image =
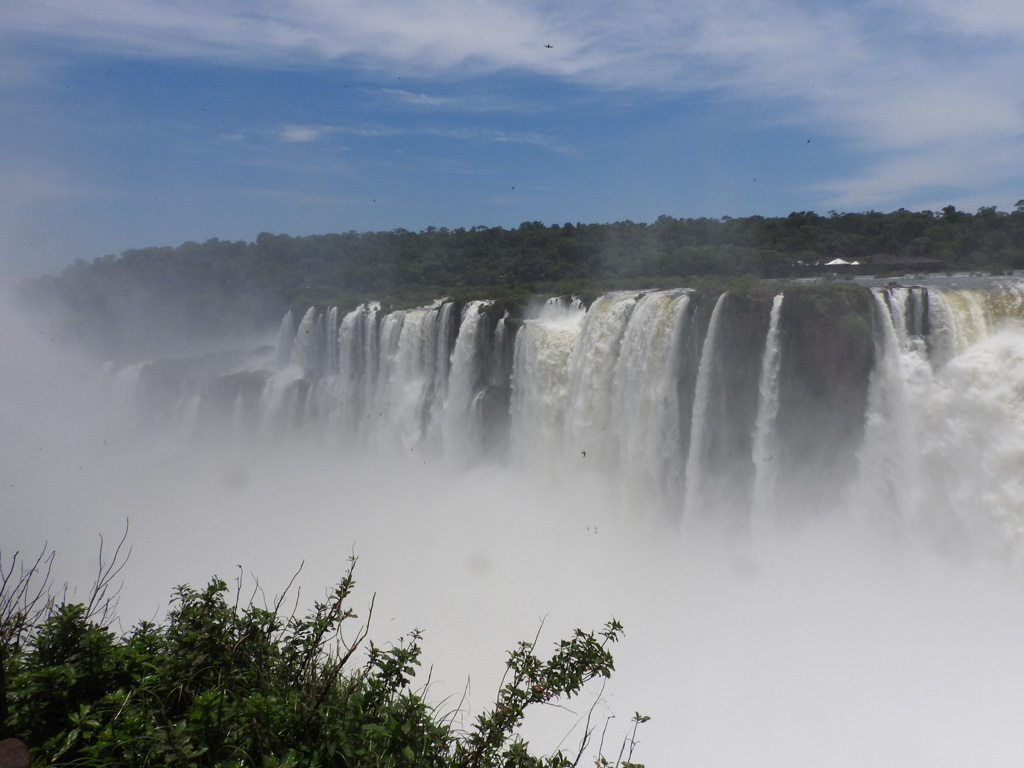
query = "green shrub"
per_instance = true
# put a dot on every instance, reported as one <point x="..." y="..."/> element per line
<point x="221" y="684"/>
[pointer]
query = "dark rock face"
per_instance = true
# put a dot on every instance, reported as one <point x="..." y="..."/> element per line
<point x="14" y="754"/>
<point x="827" y="356"/>
<point x="733" y="400"/>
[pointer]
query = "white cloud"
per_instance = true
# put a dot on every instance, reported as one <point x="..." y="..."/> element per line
<point x="308" y="133"/>
<point x="489" y="135"/>
<point x="302" y="133"/>
<point x="989" y="18"/>
<point x="746" y="44"/>
<point x="435" y="33"/>
<point x="420" y="99"/>
<point x="915" y="177"/>
<point x="878" y="75"/>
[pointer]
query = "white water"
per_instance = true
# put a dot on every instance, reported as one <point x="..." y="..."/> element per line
<point x="765" y="475"/>
<point x="462" y="408"/>
<point x="645" y="407"/>
<point x="695" y="505"/>
<point x="943" y="456"/>
<point x="541" y="386"/>
<point x="589" y="426"/>
<point x="889" y="635"/>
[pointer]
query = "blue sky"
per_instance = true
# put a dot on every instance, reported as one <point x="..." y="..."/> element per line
<point x="127" y="123"/>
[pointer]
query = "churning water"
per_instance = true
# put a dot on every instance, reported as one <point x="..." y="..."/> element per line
<point x="806" y="507"/>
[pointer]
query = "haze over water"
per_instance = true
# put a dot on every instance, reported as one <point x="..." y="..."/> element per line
<point x="868" y="613"/>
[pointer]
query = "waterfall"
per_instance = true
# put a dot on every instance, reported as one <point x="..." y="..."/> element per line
<point x="307" y="347"/>
<point x="331" y="342"/>
<point x="462" y="415"/>
<point x="755" y="410"/>
<point x="499" y="363"/>
<point x="414" y="374"/>
<point x="541" y="384"/>
<point x="765" y="474"/>
<point x="645" y="408"/>
<point x="888" y="461"/>
<point x="358" y="362"/>
<point x="942" y="433"/>
<point x="787" y="490"/>
<point x="695" y="465"/>
<point x="285" y="339"/>
<point x="591" y="368"/>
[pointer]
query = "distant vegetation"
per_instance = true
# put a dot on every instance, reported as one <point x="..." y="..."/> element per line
<point x="218" y="285"/>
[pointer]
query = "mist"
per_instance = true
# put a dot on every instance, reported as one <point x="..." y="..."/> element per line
<point x="825" y="638"/>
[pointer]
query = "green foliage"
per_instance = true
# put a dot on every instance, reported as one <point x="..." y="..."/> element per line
<point x="144" y="298"/>
<point x="492" y="741"/>
<point x="223" y="684"/>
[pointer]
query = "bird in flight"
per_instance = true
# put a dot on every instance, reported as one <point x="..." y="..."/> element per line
<point x="548" y="45"/>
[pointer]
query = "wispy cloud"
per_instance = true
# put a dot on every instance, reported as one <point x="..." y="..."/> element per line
<point x="298" y="134"/>
<point x="915" y="178"/>
<point x="490" y="135"/>
<point x="881" y="76"/>
<point x="418" y="99"/>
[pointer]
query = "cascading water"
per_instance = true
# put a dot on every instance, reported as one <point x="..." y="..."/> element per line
<point x="696" y="467"/>
<point x="750" y="413"/>
<point x="308" y="348"/>
<point x="285" y="339"/>
<point x="765" y="475"/>
<point x="645" y="408"/>
<point x="541" y="385"/>
<point x="462" y="408"/>
<point x="944" y="444"/>
<point x="589" y="428"/>
<point x="887" y="466"/>
<point x="445" y="446"/>
<point x="356" y="376"/>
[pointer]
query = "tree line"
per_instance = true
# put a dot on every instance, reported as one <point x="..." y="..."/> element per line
<point x="223" y="284"/>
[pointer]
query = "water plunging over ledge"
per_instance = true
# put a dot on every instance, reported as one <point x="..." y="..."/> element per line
<point x="756" y="485"/>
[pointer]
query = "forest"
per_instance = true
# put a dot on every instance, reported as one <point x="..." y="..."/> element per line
<point x="124" y="302"/>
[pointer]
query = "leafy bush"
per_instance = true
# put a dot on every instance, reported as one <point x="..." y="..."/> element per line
<point x="223" y="684"/>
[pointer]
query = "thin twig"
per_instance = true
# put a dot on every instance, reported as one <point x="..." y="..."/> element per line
<point x="587" y="730"/>
<point x="100" y="604"/>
